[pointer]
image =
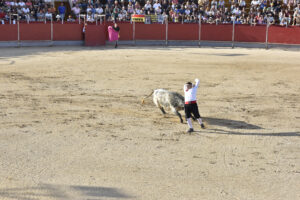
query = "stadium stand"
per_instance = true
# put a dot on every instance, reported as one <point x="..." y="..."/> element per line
<point x="285" y="12"/>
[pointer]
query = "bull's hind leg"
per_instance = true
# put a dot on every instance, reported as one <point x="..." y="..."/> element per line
<point x="177" y="113"/>
<point x="159" y="106"/>
<point x="162" y="110"/>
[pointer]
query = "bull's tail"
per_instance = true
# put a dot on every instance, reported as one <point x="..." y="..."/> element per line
<point x="143" y="99"/>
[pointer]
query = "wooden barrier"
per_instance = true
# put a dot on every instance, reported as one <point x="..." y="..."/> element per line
<point x="282" y="35"/>
<point x="212" y="32"/>
<point x="209" y="32"/>
<point x="35" y="31"/>
<point x="9" y="32"/>
<point x="95" y="35"/>
<point x="71" y="32"/>
<point x="182" y="31"/>
<point x="153" y="32"/>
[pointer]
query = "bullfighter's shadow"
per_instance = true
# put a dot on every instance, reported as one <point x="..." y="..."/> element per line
<point x="45" y="191"/>
<point x="232" y="124"/>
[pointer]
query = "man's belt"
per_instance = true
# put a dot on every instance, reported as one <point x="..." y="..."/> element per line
<point x="190" y="102"/>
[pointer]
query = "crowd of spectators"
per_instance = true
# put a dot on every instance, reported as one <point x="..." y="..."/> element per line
<point x="31" y="10"/>
<point x="283" y="12"/>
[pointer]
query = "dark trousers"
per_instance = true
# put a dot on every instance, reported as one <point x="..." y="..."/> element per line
<point x="190" y="109"/>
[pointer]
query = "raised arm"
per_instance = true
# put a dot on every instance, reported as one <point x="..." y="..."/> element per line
<point x="197" y="82"/>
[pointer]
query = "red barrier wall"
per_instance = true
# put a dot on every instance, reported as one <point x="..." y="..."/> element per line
<point x="126" y="31"/>
<point x="183" y="32"/>
<point x="67" y="31"/>
<point x="36" y="31"/>
<point x="211" y="32"/>
<point x="153" y="32"/>
<point x="8" y="32"/>
<point x="95" y="35"/>
<point x="73" y="32"/>
<point x="278" y="34"/>
<point x="245" y="33"/>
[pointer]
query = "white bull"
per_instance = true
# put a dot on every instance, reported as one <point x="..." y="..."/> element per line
<point x="168" y="100"/>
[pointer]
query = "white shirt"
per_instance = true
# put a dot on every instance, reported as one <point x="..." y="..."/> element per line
<point x="21" y="3"/>
<point x="76" y="10"/>
<point x="25" y="10"/>
<point x="156" y="5"/>
<point x="187" y="12"/>
<point x="147" y="6"/>
<point x="99" y="10"/>
<point x="191" y="94"/>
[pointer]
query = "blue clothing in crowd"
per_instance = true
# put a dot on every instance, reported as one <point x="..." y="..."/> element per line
<point x="61" y="9"/>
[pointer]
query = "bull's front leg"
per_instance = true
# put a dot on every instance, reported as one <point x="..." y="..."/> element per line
<point x="177" y="113"/>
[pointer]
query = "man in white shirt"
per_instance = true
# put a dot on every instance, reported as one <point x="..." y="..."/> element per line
<point x="190" y="106"/>
<point x="76" y="10"/>
<point x="99" y="10"/>
<point x="25" y="10"/>
<point x="156" y="5"/>
<point x="21" y="4"/>
<point x="148" y="6"/>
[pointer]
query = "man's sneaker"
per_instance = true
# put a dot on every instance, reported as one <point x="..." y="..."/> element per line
<point x="202" y="126"/>
<point x="190" y="130"/>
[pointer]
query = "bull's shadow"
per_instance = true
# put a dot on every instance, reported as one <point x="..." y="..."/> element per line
<point x="62" y="192"/>
<point x="232" y="124"/>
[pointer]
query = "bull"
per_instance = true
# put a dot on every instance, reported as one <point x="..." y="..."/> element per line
<point x="164" y="99"/>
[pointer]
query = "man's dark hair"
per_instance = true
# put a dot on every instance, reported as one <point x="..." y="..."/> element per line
<point x="189" y="83"/>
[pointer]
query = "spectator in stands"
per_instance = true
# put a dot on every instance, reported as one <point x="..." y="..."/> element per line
<point x="147" y="6"/>
<point x="221" y="4"/>
<point x="116" y="11"/>
<point x="284" y="12"/>
<point x="137" y="11"/>
<point x="156" y="5"/>
<point x="137" y="5"/>
<point x="48" y="15"/>
<point x="28" y="3"/>
<point x="90" y="17"/>
<point x="107" y="12"/>
<point x="83" y="5"/>
<point x="76" y="11"/>
<point x="296" y="16"/>
<point x="165" y="6"/>
<point x="99" y="10"/>
<point x="41" y="15"/>
<point x="62" y="11"/>
<point x="130" y="8"/>
<point x="123" y="14"/>
<point x="2" y="16"/>
<point x="25" y="12"/>
<point x="70" y="19"/>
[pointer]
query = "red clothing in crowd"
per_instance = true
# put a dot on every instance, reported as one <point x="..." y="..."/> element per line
<point x="2" y="15"/>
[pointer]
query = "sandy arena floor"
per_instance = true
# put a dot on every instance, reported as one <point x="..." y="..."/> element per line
<point x="72" y="126"/>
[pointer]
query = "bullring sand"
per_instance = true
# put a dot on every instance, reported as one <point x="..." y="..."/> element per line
<point x="72" y="126"/>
